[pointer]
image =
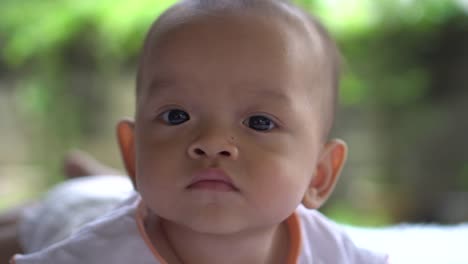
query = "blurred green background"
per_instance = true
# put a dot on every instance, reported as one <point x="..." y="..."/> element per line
<point x="67" y="71"/>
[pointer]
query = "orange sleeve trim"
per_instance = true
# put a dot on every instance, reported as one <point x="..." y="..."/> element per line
<point x="139" y="216"/>
<point x="295" y="238"/>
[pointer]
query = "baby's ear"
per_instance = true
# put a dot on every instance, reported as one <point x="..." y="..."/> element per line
<point x="327" y="172"/>
<point x="126" y="138"/>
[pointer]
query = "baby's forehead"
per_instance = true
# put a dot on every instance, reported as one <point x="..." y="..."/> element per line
<point x="187" y="11"/>
<point x="292" y="26"/>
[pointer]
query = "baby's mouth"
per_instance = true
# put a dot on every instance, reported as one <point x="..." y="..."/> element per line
<point x="212" y="179"/>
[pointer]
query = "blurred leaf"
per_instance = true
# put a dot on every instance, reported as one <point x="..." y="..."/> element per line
<point x="463" y="177"/>
<point x="353" y="90"/>
<point x="32" y="28"/>
<point x="343" y="213"/>
<point x="348" y="17"/>
<point x="32" y="98"/>
<point x="403" y="88"/>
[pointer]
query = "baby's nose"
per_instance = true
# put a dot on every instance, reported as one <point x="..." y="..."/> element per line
<point x="213" y="148"/>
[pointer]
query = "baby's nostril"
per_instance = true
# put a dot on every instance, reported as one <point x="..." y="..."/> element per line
<point x="225" y="153"/>
<point x="199" y="152"/>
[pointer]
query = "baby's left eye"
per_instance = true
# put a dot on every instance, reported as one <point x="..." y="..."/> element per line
<point x="175" y="117"/>
<point x="260" y="123"/>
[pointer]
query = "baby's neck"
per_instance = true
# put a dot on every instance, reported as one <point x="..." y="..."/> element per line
<point x="178" y="244"/>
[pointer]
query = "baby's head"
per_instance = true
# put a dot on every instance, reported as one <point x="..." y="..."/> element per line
<point x="235" y="100"/>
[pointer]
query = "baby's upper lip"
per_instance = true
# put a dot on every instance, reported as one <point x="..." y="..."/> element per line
<point x="211" y="174"/>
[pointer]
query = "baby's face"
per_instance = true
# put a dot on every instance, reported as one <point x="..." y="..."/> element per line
<point x="227" y="131"/>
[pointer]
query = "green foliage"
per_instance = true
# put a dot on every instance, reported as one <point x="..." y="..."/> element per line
<point x="341" y="212"/>
<point x="35" y="29"/>
<point x="463" y="177"/>
<point x="379" y="40"/>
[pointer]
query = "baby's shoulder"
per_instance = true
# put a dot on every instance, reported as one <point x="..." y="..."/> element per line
<point x="324" y="241"/>
<point x="113" y="238"/>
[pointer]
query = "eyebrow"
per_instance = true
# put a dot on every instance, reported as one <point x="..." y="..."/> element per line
<point x="269" y="94"/>
<point x="159" y="85"/>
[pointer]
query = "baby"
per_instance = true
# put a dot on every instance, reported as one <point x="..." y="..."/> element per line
<point x="229" y="150"/>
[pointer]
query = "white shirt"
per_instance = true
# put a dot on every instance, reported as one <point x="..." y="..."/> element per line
<point x="118" y="237"/>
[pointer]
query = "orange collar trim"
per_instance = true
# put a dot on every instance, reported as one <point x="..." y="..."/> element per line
<point x="140" y="214"/>
<point x="295" y="238"/>
<point x="293" y="223"/>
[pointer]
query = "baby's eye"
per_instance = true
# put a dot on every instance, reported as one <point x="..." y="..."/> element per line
<point x="260" y="123"/>
<point x="175" y="117"/>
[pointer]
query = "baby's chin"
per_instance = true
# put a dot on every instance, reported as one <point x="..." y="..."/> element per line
<point x="216" y="222"/>
<point x="217" y="228"/>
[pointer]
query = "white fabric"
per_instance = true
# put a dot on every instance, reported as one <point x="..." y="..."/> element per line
<point x="114" y="238"/>
<point x="409" y="244"/>
<point x="69" y="206"/>
<point x="325" y="242"/>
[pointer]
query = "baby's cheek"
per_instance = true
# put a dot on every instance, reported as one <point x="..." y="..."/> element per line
<point x="154" y="192"/>
<point x="282" y="183"/>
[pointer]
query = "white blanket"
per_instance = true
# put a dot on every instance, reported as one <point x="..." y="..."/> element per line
<point x="411" y="243"/>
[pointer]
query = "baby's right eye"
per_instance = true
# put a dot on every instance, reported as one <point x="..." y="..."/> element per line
<point x="175" y="117"/>
<point x="260" y="123"/>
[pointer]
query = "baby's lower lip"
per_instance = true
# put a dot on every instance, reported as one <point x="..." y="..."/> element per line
<point x="212" y="185"/>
